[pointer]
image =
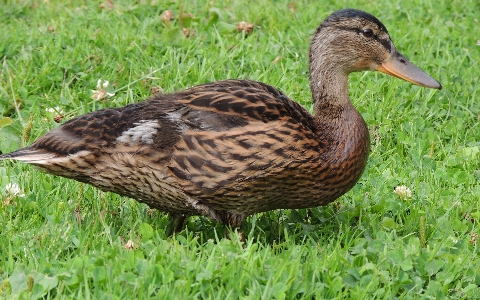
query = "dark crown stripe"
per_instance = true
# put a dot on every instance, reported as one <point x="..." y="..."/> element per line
<point x="384" y="42"/>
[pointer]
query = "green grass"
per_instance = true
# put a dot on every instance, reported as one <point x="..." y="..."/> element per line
<point x="62" y="239"/>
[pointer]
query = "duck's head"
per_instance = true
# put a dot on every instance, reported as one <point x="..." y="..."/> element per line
<point x="351" y="40"/>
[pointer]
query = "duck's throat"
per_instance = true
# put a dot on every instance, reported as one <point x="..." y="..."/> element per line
<point x="328" y="85"/>
<point x="330" y="97"/>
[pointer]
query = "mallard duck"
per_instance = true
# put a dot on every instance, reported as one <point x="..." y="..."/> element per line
<point x="233" y="148"/>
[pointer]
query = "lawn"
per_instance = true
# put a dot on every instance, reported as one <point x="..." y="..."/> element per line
<point x="60" y="239"/>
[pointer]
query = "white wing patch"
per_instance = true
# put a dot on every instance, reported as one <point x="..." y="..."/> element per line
<point x="143" y="132"/>
<point x="176" y="118"/>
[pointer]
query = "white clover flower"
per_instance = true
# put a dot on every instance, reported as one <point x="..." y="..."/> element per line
<point x="101" y="92"/>
<point x="453" y="239"/>
<point x="403" y="192"/>
<point x="14" y="190"/>
<point x="129" y="245"/>
<point x="54" y="110"/>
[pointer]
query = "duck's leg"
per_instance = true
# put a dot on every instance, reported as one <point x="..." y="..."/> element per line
<point x="176" y="223"/>
<point x="234" y="221"/>
<point x="240" y="233"/>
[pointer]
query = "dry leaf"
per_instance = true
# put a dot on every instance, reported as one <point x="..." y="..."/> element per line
<point x="188" y="32"/>
<point x="474" y="237"/>
<point x="156" y="90"/>
<point x="107" y="4"/>
<point x="293" y="6"/>
<point x="245" y="27"/>
<point x="58" y="118"/>
<point x="167" y="16"/>
<point x="275" y="61"/>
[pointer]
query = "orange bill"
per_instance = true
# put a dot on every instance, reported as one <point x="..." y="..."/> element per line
<point x="399" y="66"/>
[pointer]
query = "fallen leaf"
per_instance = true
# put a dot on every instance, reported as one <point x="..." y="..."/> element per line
<point x="245" y="27"/>
<point x="167" y="16"/>
<point x="293" y="6"/>
<point x="107" y="4"/>
<point x="275" y="61"/>
<point x="188" y="32"/>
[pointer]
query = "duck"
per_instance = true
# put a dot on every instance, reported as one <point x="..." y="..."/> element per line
<point x="233" y="148"/>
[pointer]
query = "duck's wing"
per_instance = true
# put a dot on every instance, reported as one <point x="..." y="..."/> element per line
<point x="96" y="131"/>
<point x="238" y="131"/>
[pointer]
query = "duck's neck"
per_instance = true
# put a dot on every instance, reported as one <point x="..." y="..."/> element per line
<point x="335" y="116"/>
<point x="328" y="72"/>
<point x="330" y="96"/>
<point x="329" y="89"/>
<point x="339" y="123"/>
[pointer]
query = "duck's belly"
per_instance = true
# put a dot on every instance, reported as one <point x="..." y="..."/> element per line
<point x="289" y="189"/>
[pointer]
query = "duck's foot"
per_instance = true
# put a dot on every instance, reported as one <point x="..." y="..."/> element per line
<point x="176" y="223"/>
<point x="240" y="233"/>
<point x="233" y="222"/>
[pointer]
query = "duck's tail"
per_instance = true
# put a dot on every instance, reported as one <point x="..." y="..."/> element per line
<point x="30" y="156"/>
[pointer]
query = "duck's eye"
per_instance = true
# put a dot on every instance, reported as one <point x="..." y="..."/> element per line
<point x="367" y="32"/>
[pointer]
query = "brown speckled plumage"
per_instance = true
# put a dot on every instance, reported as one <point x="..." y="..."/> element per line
<point x="233" y="148"/>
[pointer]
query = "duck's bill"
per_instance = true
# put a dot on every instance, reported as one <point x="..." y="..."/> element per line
<point x="399" y="66"/>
